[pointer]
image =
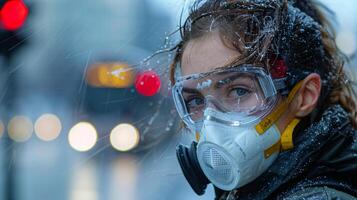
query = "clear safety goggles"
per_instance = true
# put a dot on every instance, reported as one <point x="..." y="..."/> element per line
<point x="242" y="94"/>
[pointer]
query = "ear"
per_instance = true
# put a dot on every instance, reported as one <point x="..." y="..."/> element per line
<point x="306" y="98"/>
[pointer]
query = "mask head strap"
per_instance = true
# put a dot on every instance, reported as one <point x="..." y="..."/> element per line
<point x="269" y="120"/>
<point x="286" y="140"/>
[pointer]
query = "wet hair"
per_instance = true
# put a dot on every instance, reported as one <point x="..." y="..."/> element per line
<point x="263" y="31"/>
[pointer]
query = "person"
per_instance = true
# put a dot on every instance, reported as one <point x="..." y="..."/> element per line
<point x="262" y="85"/>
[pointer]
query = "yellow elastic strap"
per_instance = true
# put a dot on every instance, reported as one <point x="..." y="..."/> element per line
<point x="286" y="140"/>
<point x="269" y="120"/>
<point x="287" y="135"/>
<point x="274" y="148"/>
<point x="197" y="136"/>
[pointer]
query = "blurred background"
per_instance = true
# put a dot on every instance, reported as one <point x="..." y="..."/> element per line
<point x="83" y="114"/>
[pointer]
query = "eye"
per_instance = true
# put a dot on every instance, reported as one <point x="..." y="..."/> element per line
<point x="238" y="92"/>
<point x="194" y="102"/>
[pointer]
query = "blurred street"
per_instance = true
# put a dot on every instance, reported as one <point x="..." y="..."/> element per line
<point x="76" y="121"/>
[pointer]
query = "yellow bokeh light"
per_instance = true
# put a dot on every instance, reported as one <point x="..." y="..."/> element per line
<point x="124" y="137"/>
<point x="103" y="75"/>
<point x="121" y="76"/>
<point x="20" y="128"/>
<point x="48" y="127"/>
<point x="82" y="136"/>
<point x="115" y="75"/>
<point x="2" y="128"/>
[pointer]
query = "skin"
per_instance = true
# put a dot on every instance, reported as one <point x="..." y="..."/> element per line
<point x="206" y="53"/>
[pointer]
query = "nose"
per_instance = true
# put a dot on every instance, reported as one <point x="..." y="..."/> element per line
<point x="212" y="102"/>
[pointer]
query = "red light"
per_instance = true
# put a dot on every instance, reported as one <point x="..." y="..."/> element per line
<point x="147" y="83"/>
<point x="13" y="14"/>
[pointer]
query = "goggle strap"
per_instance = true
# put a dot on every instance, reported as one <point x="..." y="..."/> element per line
<point x="280" y="83"/>
<point x="269" y="120"/>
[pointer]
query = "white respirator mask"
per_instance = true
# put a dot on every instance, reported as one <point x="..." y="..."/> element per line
<point x="232" y="156"/>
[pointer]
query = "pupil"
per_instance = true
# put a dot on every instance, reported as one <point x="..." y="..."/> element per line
<point x="199" y="101"/>
<point x="241" y="92"/>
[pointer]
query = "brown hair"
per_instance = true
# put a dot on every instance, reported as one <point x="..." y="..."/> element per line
<point x="263" y="30"/>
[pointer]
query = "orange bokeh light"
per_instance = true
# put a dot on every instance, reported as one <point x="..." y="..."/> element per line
<point x="112" y="75"/>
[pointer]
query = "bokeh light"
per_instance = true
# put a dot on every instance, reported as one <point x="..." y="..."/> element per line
<point x="13" y="14"/>
<point x="82" y="136"/>
<point x="121" y="75"/>
<point x="346" y="41"/>
<point x="124" y="178"/>
<point x="48" y="127"/>
<point x="114" y="75"/>
<point x="83" y="183"/>
<point x="2" y="128"/>
<point x="147" y="83"/>
<point x="20" y="128"/>
<point x="124" y="137"/>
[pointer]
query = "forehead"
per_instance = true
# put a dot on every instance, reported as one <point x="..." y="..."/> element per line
<point x="205" y="54"/>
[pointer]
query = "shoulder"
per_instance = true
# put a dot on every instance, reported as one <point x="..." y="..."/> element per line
<point x="317" y="193"/>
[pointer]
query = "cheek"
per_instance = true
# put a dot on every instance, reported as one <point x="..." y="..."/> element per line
<point x="254" y="100"/>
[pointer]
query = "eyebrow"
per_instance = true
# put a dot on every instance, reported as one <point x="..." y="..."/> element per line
<point x="217" y="84"/>
<point x="190" y="90"/>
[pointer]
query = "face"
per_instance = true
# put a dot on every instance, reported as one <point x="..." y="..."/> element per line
<point x="205" y="54"/>
<point x="229" y="91"/>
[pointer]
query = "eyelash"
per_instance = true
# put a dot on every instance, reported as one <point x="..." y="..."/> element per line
<point x="190" y="98"/>
<point x="234" y="88"/>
